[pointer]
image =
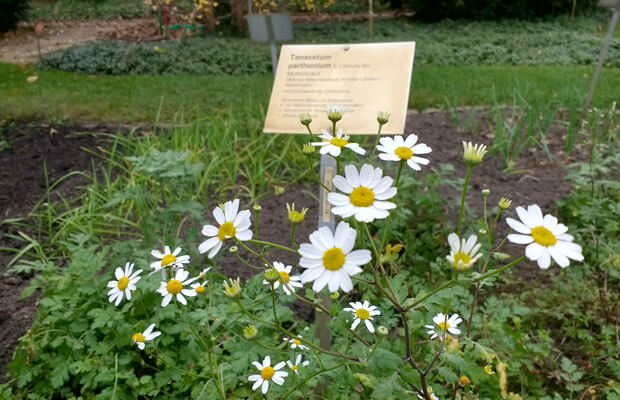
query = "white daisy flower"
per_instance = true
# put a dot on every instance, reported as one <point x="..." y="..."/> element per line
<point x="267" y="373"/>
<point x="295" y="343"/>
<point x="124" y="284"/>
<point x="298" y="363"/>
<point x="444" y="325"/>
<point x="333" y="145"/>
<point x="473" y="153"/>
<point x="174" y="287"/>
<point x="285" y="277"/>
<point x="330" y="258"/>
<point x="432" y="395"/>
<point x="233" y="224"/>
<point x="399" y="149"/>
<point x="146" y="336"/>
<point x="363" y="312"/>
<point x="168" y="259"/>
<point x="203" y="273"/>
<point x="463" y="253"/>
<point x="366" y="193"/>
<point x="545" y="237"/>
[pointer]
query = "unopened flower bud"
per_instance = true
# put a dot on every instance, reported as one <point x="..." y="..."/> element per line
<point x="272" y="275"/>
<point x="464" y="381"/>
<point x="335" y="112"/>
<point x="488" y="369"/>
<point x="504" y="203"/>
<point x="232" y="288"/>
<point x="250" y="332"/>
<point x="482" y="231"/>
<point x="257" y="208"/>
<point x="473" y="153"/>
<point x="382" y="331"/>
<point x="308" y="149"/>
<point x="486" y="192"/>
<point x="363" y="379"/>
<point x="383" y="117"/>
<point x="295" y="217"/>
<point x="335" y="295"/>
<point x="305" y="119"/>
<point x="233" y="249"/>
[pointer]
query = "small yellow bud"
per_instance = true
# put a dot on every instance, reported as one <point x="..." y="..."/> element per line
<point x="473" y="153"/>
<point x="308" y="149"/>
<point x="250" y="332"/>
<point x="395" y="249"/>
<point x="504" y="203"/>
<point x="272" y="275"/>
<point x="464" y="381"/>
<point x="335" y="295"/>
<point x="488" y="369"/>
<point x="383" y="117"/>
<point x="295" y="217"/>
<point x="232" y="288"/>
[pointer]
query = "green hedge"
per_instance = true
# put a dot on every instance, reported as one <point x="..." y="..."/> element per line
<point x="560" y="41"/>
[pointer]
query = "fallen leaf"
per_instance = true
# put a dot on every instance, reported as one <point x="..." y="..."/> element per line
<point x="32" y="78"/>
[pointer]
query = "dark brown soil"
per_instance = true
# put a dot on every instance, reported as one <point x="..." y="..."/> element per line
<point x="540" y="181"/>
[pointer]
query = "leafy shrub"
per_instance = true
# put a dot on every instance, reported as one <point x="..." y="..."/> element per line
<point x="13" y="11"/>
<point x="494" y="9"/>
<point x="445" y="43"/>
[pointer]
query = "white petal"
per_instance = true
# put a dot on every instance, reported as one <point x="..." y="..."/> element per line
<point x="533" y="251"/>
<point x="355" y="323"/>
<point x="352" y="176"/>
<point x="369" y="326"/>
<point x="518" y="226"/>
<point x="218" y="214"/>
<point x="544" y="260"/>
<point x="520" y="239"/>
<point x="342" y="184"/>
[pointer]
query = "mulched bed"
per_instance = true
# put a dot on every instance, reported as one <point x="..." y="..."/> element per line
<point x="21" y="174"/>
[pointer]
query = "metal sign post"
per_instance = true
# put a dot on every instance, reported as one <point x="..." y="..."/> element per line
<point x="271" y="28"/>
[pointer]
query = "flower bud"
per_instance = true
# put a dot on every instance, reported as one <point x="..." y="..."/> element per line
<point x="250" y="332"/>
<point x="233" y="249"/>
<point x="232" y="288"/>
<point x="504" y="203"/>
<point x="488" y="369"/>
<point x="335" y="295"/>
<point x="486" y="192"/>
<point x="308" y="149"/>
<point x="383" y="117"/>
<point x="335" y="112"/>
<point x="473" y="153"/>
<point x="464" y="381"/>
<point x="482" y="231"/>
<point x="295" y="217"/>
<point x="257" y="208"/>
<point x="305" y="119"/>
<point x="382" y="331"/>
<point x="272" y="275"/>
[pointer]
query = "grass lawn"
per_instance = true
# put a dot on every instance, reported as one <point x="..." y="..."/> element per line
<point x="58" y="96"/>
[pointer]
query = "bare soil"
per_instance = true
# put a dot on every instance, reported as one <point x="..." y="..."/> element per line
<point x="541" y="181"/>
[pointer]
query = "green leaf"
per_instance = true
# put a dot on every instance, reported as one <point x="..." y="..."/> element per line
<point x="60" y="375"/>
<point x="384" y="362"/>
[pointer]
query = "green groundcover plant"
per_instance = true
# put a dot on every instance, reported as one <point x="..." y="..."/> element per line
<point x="397" y="314"/>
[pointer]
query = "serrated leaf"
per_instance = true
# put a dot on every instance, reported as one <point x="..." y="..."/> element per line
<point x="384" y="362"/>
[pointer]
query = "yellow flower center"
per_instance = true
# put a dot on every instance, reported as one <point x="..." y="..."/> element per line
<point x="362" y="314"/>
<point x="444" y="326"/>
<point x="174" y="287"/>
<point x="404" y="153"/>
<point x="200" y="289"/>
<point x="138" y="337"/>
<point x="333" y="259"/>
<point x="167" y="260"/>
<point x="285" y="277"/>
<point x="294" y="368"/>
<point x="226" y="231"/>
<point x="339" y="142"/>
<point x="543" y="236"/>
<point x="123" y="283"/>
<point x="463" y="257"/>
<point x="297" y="342"/>
<point x="267" y="373"/>
<point x="362" y="197"/>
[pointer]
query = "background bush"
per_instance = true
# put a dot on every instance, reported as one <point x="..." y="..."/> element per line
<point x="494" y="9"/>
<point x="558" y="42"/>
<point x="12" y="11"/>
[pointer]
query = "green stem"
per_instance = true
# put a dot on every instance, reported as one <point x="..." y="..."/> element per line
<point x="443" y="286"/>
<point x="497" y="271"/>
<point x="277" y="246"/>
<point x="374" y="150"/>
<point x="394" y="300"/>
<point x="313" y="376"/>
<point x="310" y="132"/>
<point x="400" y="170"/>
<point x="465" y="185"/>
<point x="293" y="227"/>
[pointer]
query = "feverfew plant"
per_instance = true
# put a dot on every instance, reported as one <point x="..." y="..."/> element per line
<point x="377" y="333"/>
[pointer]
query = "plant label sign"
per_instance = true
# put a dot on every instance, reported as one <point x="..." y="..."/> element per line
<point x="365" y="78"/>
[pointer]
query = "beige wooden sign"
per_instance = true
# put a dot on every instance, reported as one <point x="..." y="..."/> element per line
<point x="366" y="78"/>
